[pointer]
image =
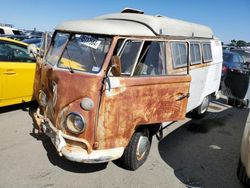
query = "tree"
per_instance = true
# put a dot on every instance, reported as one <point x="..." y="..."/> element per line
<point x="241" y="43"/>
<point x="233" y="42"/>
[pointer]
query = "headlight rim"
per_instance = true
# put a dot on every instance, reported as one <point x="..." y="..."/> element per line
<point x="83" y="120"/>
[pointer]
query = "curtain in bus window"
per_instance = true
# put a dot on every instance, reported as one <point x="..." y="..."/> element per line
<point x="179" y="53"/>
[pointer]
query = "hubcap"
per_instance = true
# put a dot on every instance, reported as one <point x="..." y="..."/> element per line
<point x="142" y="147"/>
<point x="204" y="105"/>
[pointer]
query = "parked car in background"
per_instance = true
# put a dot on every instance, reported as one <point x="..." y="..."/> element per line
<point x="231" y="60"/>
<point x="235" y="79"/>
<point x="9" y="31"/>
<point x="33" y="33"/>
<point x="36" y="41"/>
<point x="15" y="37"/>
<point x="35" y="37"/>
<point x="17" y="70"/>
<point x="244" y="54"/>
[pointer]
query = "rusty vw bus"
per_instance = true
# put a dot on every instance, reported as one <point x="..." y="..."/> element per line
<point x="107" y="84"/>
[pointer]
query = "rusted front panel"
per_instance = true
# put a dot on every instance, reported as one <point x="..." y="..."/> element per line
<point x="132" y="101"/>
<point x="70" y="89"/>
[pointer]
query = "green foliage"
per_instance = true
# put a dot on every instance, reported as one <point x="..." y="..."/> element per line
<point x="241" y="43"/>
<point x="238" y="43"/>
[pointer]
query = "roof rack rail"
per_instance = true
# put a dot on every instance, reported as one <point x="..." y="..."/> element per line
<point x="132" y="10"/>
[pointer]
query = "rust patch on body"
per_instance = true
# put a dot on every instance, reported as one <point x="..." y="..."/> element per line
<point x="71" y="89"/>
<point x="139" y="101"/>
<point x="119" y="107"/>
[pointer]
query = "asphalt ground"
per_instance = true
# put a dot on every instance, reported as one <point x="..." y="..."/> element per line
<point x="192" y="153"/>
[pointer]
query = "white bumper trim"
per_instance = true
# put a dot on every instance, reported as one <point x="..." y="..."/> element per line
<point x="76" y="153"/>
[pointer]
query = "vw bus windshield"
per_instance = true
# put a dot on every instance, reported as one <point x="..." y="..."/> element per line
<point x="85" y="53"/>
<point x="56" y="47"/>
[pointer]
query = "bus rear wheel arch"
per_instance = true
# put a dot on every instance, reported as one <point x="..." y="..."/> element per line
<point x="201" y="110"/>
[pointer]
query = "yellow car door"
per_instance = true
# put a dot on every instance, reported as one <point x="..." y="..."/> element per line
<point x="17" y="70"/>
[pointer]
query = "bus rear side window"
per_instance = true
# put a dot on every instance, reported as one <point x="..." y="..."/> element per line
<point x="206" y="52"/>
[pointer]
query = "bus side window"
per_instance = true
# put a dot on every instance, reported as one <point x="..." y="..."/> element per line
<point x="206" y="52"/>
<point x="152" y="59"/>
<point x="195" y="53"/>
<point x="179" y="54"/>
<point x="129" y="55"/>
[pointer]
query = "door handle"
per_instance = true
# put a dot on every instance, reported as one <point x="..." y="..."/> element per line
<point x="9" y="72"/>
<point x="182" y="96"/>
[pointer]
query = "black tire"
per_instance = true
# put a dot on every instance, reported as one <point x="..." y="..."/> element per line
<point x="230" y="101"/>
<point x="130" y="160"/>
<point x="242" y="175"/>
<point x="242" y="103"/>
<point x="201" y="110"/>
<point x="239" y="103"/>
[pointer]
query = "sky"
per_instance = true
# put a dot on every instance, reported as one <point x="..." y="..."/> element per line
<point x="229" y="19"/>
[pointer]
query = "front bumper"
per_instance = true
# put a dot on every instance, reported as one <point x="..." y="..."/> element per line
<point x="74" y="152"/>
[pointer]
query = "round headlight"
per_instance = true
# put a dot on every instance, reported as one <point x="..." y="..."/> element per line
<point x="42" y="98"/>
<point x="75" y="123"/>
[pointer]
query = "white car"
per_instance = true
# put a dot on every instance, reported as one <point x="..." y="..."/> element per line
<point x="4" y="30"/>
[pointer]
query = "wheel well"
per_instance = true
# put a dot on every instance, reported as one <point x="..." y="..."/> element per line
<point x="153" y="128"/>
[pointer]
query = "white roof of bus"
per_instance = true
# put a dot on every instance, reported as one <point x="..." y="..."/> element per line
<point x="137" y="25"/>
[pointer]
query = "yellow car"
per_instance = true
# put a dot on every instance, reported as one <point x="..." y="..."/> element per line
<point x="17" y="71"/>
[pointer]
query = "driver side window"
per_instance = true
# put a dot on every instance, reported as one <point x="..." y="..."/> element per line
<point x="12" y="52"/>
<point x="140" y="58"/>
<point x="152" y="59"/>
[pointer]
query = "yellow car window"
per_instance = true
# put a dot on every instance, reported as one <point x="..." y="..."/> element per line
<point x="14" y="52"/>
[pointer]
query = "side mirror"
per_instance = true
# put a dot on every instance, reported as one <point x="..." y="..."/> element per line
<point x="116" y="65"/>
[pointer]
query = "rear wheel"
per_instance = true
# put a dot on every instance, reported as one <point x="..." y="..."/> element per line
<point x="201" y="110"/>
<point x="137" y="150"/>
<point x="242" y="175"/>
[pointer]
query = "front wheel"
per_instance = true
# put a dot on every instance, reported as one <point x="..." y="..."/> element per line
<point x="137" y="150"/>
